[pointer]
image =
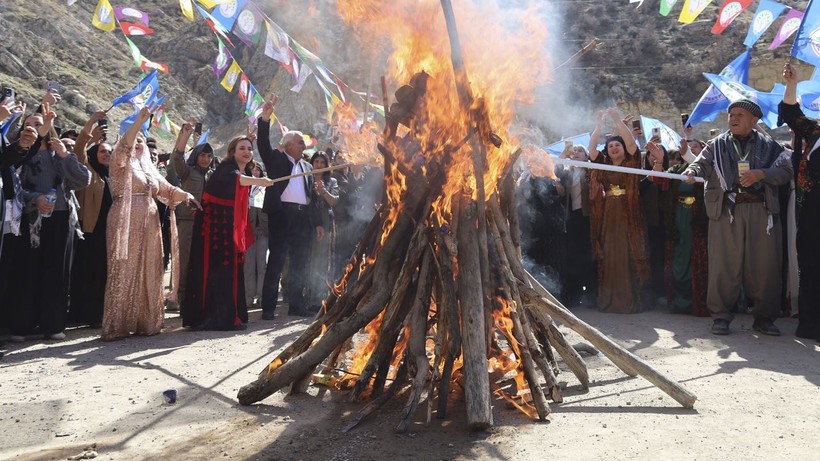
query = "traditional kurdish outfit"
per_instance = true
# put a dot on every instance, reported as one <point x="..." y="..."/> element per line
<point x="133" y="293"/>
<point x="686" y="269"/>
<point x="321" y="251"/>
<point x="744" y="233"/>
<point x="215" y="291"/>
<point x="619" y="237"/>
<point x="807" y="209"/>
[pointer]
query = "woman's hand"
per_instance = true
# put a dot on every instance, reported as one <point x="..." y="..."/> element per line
<point x="27" y="137"/>
<point x="48" y="120"/>
<point x="58" y="147"/>
<point x="789" y="74"/>
<point x="193" y="203"/>
<point x="6" y="110"/>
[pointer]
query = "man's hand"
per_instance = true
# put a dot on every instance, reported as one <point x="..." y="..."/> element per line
<point x="690" y="176"/>
<point x="42" y="204"/>
<point x="320" y="233"/>
<point x="751" y="177"/>
<point x="267" y="108"/>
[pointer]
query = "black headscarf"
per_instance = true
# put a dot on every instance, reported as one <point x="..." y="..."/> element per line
<point x="198" y="150"/>
<point x="101" y="169"/>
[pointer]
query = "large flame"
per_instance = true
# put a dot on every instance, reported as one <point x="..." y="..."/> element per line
<point x="503" y="51"/>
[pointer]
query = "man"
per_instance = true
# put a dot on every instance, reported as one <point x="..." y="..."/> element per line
<point x="743" y="169"/>
<point x="290" y="220"/>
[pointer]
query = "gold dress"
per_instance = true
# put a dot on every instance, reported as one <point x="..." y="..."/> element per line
<point x="134" y="290"/>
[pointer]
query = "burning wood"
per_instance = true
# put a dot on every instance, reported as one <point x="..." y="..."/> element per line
<point x="437" y="278"/>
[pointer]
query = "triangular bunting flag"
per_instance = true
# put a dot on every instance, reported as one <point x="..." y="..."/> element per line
<point x="692" y="9"/>
<point x="730" y="10"/>
<point x="104" y="17"/>
<point x="231" y="76"/>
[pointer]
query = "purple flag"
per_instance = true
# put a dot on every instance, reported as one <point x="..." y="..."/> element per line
<point x="790" y="24"/>
<point x="126" y="13"/>
<point x="223" y="59"/>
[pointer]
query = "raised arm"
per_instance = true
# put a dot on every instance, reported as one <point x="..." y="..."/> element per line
<point x="622" y="130"/>
<point x="789" y="109"/>
<point x="181" y="168"/>
<point x="89" y="134"/>
<point x="595" y="137"/>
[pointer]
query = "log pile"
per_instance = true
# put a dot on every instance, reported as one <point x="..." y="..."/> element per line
<point x="438" y="285"/>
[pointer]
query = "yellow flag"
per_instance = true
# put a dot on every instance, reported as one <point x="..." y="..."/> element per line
<point x="187" y="9"/>
<point x="104" y="17"/>
<point x="231" y="76"/>
<point x="691" y="10"/>
<point x="210" y="3"/>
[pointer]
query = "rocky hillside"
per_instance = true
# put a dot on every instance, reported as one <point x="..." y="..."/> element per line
<point x="646" y="63"/>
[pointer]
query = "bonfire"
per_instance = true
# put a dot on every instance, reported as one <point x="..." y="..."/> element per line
<point x="435" y="300"/>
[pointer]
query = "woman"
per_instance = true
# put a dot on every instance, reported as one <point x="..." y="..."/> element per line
<point x="256" y="258"/>
<point x="686" y="224"/>
<point x="90" y="267"/>
<point x="324" y="196"/>
<point x="617" y="224"/>
<point x="133" y="291"/>
<point x="215" y="291"/>
<point x="806" y="160"/>
<point x="653" y="200"/>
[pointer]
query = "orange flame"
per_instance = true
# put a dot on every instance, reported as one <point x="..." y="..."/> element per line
<point x="503" y="55"/>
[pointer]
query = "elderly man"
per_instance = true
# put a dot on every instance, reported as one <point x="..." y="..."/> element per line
<point x="291" y="222"/>
<point x="743" y="168"/>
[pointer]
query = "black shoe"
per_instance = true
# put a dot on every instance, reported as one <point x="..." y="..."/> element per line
<point x="268" y="316"/>
<point x="299" y="313"/>
<point x="240" y="327"/>
<point x="720" y="327"/>
<point x="765" y="326"/>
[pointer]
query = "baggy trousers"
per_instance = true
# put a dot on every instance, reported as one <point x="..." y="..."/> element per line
<point x="741" y="253"/>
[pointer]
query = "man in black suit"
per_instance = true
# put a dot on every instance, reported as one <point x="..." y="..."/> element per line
<point x="291" y="221"/>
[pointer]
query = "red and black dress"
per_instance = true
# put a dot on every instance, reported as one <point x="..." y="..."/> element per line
<point x="215" y="291"/>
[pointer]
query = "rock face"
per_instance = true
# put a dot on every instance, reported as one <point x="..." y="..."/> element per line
<point x="646" y="63"/>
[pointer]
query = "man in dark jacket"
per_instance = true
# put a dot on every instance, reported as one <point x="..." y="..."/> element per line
<point x="291" y="222"/>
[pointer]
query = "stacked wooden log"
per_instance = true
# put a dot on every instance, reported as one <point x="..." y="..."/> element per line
<point x="450" y="306"/>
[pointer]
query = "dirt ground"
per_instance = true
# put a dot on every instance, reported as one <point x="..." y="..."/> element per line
<point x="757" y="396"/>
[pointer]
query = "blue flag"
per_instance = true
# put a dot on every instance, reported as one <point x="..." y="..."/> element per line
<point x="766" y="13"/>
<point x="5" y="127"/>
<point x="806" y="46"/>
<point x="713" y="101"/>
<point x="145" y="92"/>
<point x="227" y="12"/>
<point x="735" y="91"/>
<point x="204" y="138"/>
<point x="578" y="140"/>
<point x="670" y="139"/>
<point x="808" y="95"/>
<point x="128" y="121"/>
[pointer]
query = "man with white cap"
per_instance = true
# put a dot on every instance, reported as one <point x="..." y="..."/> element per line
<point x="743" y="168"/>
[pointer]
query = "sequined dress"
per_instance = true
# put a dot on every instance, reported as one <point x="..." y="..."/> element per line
<point x="134" y="289"/>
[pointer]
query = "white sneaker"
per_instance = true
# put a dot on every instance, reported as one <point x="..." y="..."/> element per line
<point x="57" y="336"/>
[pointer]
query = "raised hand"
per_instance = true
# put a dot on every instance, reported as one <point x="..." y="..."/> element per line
<point x="251" y="133"/>
<point x="267" y="107"/>
<point x="48" y="119"/>
<point x="99" y="133"/>
<point x="6" y="110"/>
<point x="58" y="147"/>
<point x="51" y="97"/>
<point x="789" y="73"/>
<point x="27" y="137"/>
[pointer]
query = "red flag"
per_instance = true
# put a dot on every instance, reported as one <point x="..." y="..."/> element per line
<point x="728" y="12"/>
<point x="148" y="65"/>
<point x="244" y="83"/>
<point x="135" y="29"/>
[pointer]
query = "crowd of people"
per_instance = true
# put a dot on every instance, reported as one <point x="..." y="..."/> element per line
<point x="625" y="243"/>
<point x="90" y="227"/>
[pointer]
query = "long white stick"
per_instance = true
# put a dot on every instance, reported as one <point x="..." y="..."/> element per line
<point x="305" y="173"/>
<point x="623" y="169"/>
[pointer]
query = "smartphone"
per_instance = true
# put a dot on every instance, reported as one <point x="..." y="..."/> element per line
<point x="8" y="95"/>
<point x="656" y="132"/>
<point x="684" y="118"/>
<point x="636" y="124"/>
<point x="198" y="128"/>
<point x="54" y="86"/>
<point x="102" y="122"/>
